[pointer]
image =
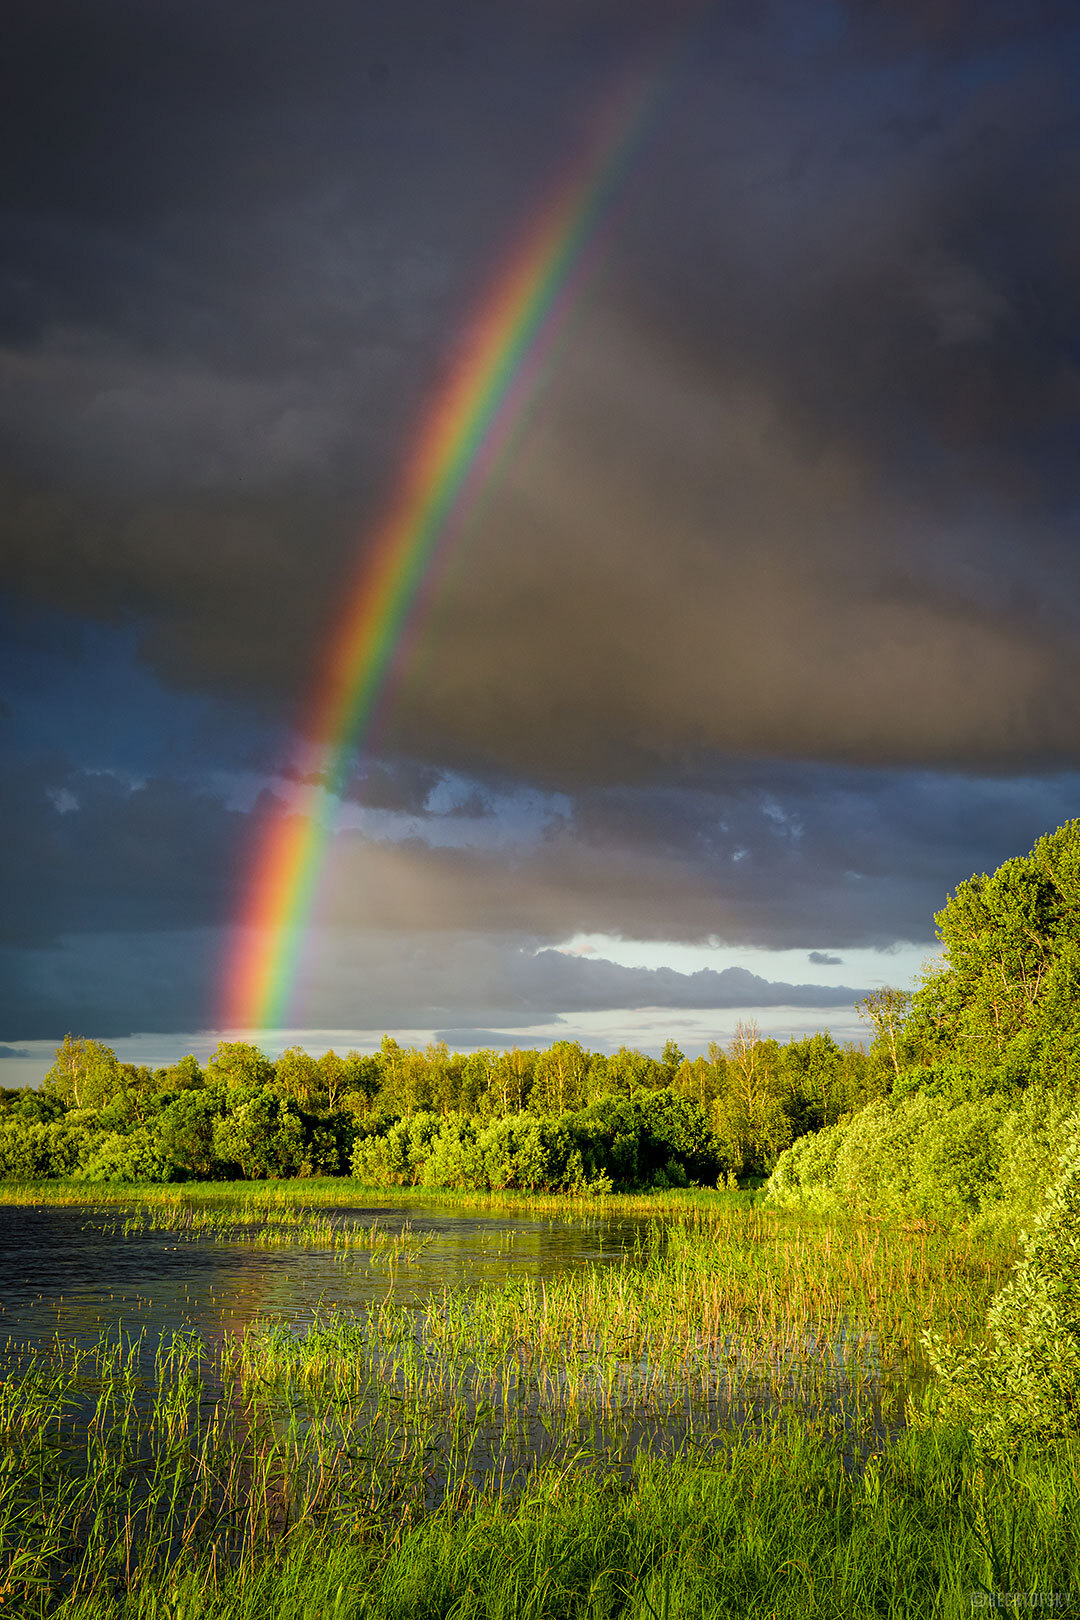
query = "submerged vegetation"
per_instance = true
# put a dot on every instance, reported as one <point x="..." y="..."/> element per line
<point x="830" y="1398"/>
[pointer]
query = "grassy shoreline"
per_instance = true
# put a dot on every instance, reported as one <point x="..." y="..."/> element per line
<point x="344" y="1191"/>
<point x="474" y="1457"/>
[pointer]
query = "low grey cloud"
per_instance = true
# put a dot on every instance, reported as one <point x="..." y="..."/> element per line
<point x="463" y="980"/>
<point x="769" y="854"/>
<point x="13" y="1052"/>
<point x="823" y="959"/>
<point x="116" y="984"/>
<point x="457" y="1039"/>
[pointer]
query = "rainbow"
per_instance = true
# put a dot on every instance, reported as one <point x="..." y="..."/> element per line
<point x="466" y="431"/>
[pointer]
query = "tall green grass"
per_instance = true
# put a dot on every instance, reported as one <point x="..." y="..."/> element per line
<point x="775" y="1527"/>
<point x="486" y="1453"/>
<point x="342" y="1192"/>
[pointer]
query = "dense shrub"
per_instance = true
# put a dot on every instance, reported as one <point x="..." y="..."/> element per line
<point x="455" y="1159"/>
<point x="184" y="1132"/>
<point x="1023" y="1387"/>
<point x="528" y="1153"/>
<point x="32" y="1151"/>
<point x="659" y="1140"/>
<point x="259" y="1134"/>
<point x="656" y="1139"/>
<point x="397" y="1157"/>
<point x="931" y="1157"/>
<point x="133" y="1156"/>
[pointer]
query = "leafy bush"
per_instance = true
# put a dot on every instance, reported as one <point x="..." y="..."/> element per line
<point x="184" y="1132"/>
<point x="397" y="1157"/>
<point x="659" y="1138"/>
<point x="455" y="1159"/>
<point x="931" y="1157"/>
<point x="118" y="1157"/>
<point x="260" y="1134"/>
<point x="1024" y="1386"/>
<point x="805" y="1172"/>
<point x="33" y="1151"/>
<point x="530" y="1153"/>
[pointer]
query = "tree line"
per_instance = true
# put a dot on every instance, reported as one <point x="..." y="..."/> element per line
<point x="560" y="1118"/>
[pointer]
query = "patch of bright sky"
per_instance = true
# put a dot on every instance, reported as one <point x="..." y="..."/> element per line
<point x="644" y="1028"/>
<point x="901" y="965"/>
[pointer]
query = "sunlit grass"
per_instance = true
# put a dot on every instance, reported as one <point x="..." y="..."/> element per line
<point x="140" y="1490"/>
<point x="487" y="1452"/>
<point x="343" y="1192"/>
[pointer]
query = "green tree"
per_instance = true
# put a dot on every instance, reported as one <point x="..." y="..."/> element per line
<point x="510" y="1083"/>
<point x="408" y="1085"/>
<point x="886" y="1011"/>
<point x="749" y="1116"/>
<point x="236" y="1063"/>
<point x="296" y="1075"/>
<point x="1006" y="1000"/>
<point x="700" y="1079"/>
<point x="477" y="1073"/>
<point x="184" y="1075"/>
<point x="184" y="1131"/>
<point x="811" y="1072"/>
<point x="559" y="1081"/>
<point x="628" y="1072"/>
<point x="260" y="1133"/>
<point x="671" y="1061"/>
<point x="333" y="1077"/>
<point x="84" y="1074"/>
<point x="362" y="1082"/>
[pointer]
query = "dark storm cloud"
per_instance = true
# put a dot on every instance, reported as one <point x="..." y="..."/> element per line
<point x="110" y="985"/>
<point x="775" y="857"/>
<point x="801" y="484"/>
<point x="87" y="852"/>
<point x="119" y="896"/>
<point x="394" y="784"/>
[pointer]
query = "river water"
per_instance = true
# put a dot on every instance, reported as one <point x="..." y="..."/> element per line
<point x="72" y="1272"/>
<point x="81" y="1274"/>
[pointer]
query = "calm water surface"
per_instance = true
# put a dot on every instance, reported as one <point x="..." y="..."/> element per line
<point x="71" y="1271"/>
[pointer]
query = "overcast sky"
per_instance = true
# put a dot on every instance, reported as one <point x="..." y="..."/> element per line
<point x="766" y="635"/>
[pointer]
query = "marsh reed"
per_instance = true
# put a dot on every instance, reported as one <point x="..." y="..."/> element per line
<point x="491" y="1445"/>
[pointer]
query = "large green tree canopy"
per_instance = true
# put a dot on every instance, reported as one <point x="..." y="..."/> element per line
<point x="1003" y="1010"/>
